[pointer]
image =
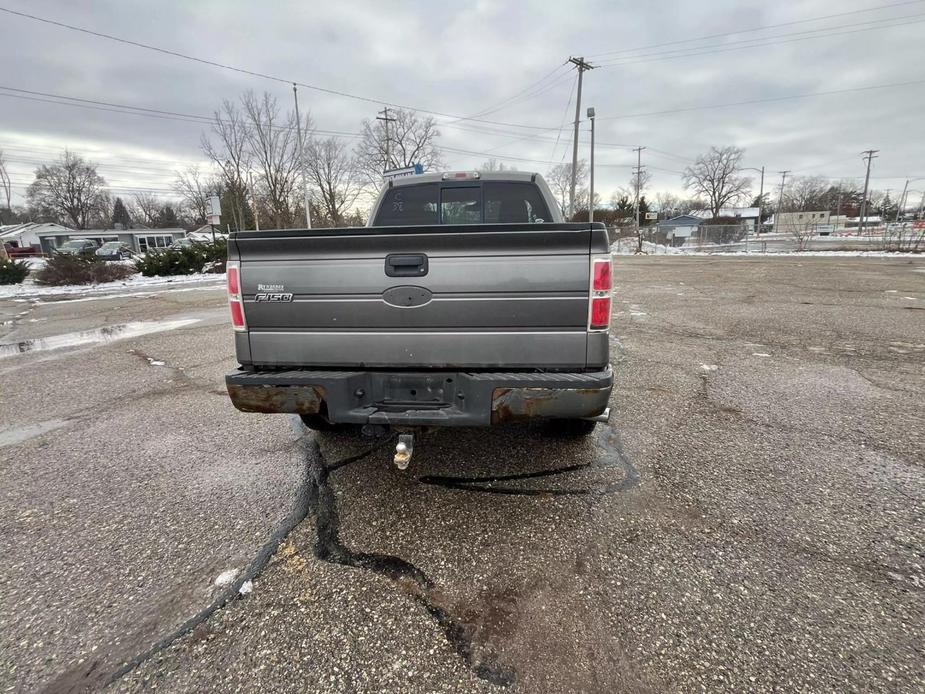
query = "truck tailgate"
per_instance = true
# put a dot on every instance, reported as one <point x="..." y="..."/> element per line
<point x="474" y="296"/>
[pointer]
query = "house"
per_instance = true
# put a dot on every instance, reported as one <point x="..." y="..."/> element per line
<point x="677" y="230"/>
<point x="28" y="234"/>
<point x="794" y="222"/>
<point x="53" y="235"/>
<point x="747" y="216"/>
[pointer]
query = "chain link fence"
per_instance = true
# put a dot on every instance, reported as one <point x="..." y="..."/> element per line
<point x="907" y="237"/>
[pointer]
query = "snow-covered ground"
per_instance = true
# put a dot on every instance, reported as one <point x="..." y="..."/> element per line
<point x="30" y="289"/>
<point x="628" y="247"/>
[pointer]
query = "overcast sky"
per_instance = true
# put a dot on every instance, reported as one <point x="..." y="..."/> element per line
<point x="462" y="58"/>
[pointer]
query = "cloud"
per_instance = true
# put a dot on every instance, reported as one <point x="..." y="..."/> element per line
<point x="464" y="58"/>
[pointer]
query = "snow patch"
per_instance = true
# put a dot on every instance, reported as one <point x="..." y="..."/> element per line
<point x="709" y="367"/>
<point x="246" y="588"/>
<point x="14" y="435"/>
<point x="106" y="334"/>
<point x="760" y="354"/>
<point x="225" y="578"/>
<point x="30" y="288"/>
<point x="676" y="251"/>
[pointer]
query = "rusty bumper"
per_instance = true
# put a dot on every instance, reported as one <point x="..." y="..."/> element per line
<point x="518" y="404"/>
<point x="430" y="398"/>
<point x="272" y="399"/>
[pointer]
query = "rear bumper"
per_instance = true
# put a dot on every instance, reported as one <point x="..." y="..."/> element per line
<point x="425" y="398"/>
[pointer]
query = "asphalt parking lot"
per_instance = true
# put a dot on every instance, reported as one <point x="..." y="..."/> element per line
<point x="752" y="518"/>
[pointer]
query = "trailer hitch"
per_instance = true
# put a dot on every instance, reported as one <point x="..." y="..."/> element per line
<point x="404" y="449"/>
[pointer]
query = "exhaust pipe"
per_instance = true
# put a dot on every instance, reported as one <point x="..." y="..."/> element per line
<point x="602" y="417"/>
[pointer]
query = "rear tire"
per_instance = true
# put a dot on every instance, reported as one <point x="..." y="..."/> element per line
<point x="572" y="428"/>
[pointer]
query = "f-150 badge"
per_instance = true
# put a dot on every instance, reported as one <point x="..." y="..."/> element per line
<point x="273" y="297"/>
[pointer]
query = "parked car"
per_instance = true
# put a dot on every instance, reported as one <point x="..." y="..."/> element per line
<point x="115" y="250"/>
<point x="77" y="247"/>
<point x="182" y="243"/>
<point x="21" y="251"/>
<point x="467" y="301"/>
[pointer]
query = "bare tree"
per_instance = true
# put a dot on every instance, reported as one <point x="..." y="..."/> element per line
<point x="643" y="181"/>
<point x="411" y="140"/>
<point x="668" y="204"/>
<point x="332" y="172"/>
<point x="807" y="193"/>
<point x="559" y="179"/>
<point x="495" y="165"/>
<point x="195" y="189"/>
<point x="274" y="151"/>
<point x="232" y="155"/>
<point x="716" y="177"/>
<point x="70" y="191"/>
<point x="145" y="208"/>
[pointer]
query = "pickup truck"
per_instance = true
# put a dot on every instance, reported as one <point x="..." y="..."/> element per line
<point x="466" y="301"/>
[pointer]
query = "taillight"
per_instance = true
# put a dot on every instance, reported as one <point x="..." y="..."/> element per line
<point x="601" y="285"/>
<point x="235" y="302"/>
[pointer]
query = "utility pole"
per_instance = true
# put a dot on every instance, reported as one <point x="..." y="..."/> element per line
<point x="922" y="205"/>
<point x="591" y="195"/>
<point x="298" y="127"/>
<point x="780" y="199"/>
<point x="902" y="201"/>
<point x="869" y="156"/>
<point x="384" y="116"/>
<point x="582" y="66"/>
<point x="760" y="200"/>
<point x="636" y="201"/>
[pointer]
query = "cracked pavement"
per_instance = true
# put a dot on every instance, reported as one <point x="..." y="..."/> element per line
<point x="752" y="518"/>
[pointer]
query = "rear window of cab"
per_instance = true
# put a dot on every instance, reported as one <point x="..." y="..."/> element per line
<point x="489" y="202"/>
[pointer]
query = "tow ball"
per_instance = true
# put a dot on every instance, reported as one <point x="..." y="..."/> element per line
<point x="403" y="451"/>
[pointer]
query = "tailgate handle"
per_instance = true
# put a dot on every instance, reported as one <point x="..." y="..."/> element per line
<point x="405" y="265"/>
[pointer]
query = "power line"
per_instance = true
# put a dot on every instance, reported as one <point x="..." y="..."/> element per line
<point x="564" y="116"/>
<point x="504" y="103"/>
<point x="252" y="73"/>
<point x="764" y="101"/>
<point x="203" y="119"/>
<point x="761" y="42"/>
<point x="759" y="28"/>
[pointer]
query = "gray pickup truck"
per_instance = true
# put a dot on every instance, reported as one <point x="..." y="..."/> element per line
<point x="466" y="301"/>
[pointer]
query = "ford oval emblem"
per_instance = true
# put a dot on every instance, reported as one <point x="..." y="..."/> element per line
<point x="407" y="297"/>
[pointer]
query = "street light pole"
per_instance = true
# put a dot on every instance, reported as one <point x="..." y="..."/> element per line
<point x="591" y="199"/>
